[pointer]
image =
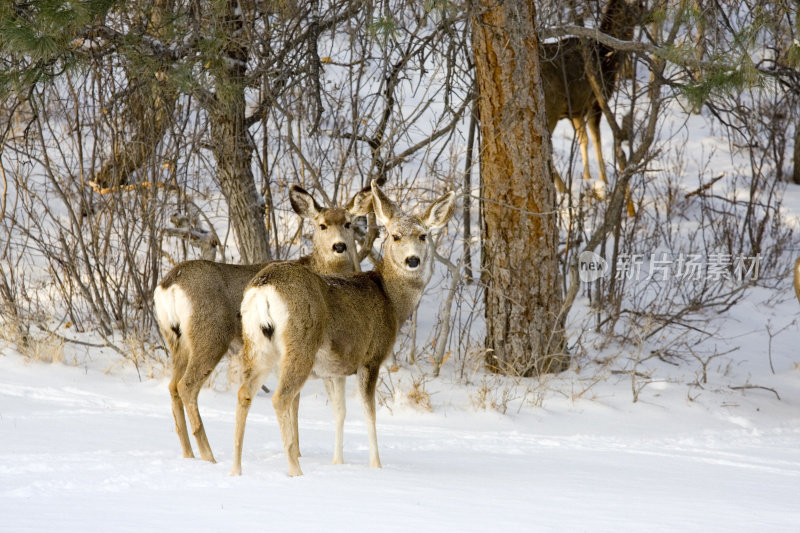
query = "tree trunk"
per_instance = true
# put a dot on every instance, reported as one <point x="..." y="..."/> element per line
<point x="796" y="153"/>
<point x="234" y="152"/>
<point x="232" y="146"/>
<point x="524" y="326"/>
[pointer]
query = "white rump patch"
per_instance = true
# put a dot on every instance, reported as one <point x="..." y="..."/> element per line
<point x="264" y="309"/>
<point x="173" y="308"/>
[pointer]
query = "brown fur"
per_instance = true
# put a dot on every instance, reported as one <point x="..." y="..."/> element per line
<point x="797" y="279"/>
<point x="214" y="292"/>
<point x="567" y="90"/>
<point x="333" y="326"/>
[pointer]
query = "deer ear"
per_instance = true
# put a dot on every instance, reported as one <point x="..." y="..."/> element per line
<point x="361" y="203"/>
<point x="303" y="203"/>
<point x="384" y="208"/>
<point x="440" y="211"/>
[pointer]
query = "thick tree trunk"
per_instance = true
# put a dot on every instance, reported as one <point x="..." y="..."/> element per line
<point x="796" y="153"/>
<point x="524" y="326"/>
<point x="233" y="152"/>
<point x="232" y="146"/>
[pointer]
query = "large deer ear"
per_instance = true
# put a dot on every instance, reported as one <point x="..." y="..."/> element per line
<point x="361" y="203"/>
<point x="303" y="203"/>
<point x="384" y="208"/>
<point x="440" y="211"/>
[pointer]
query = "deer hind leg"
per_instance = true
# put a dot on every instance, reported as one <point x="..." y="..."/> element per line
<point x="583" y="140"/>
<point x="367" y="380"/>
<point x="179" y="360"/>
<point x="561" y="187"/>
<point x="200" y="366"/>
<point x="594" y="130"/>
<point x="295" y="369"/>
<point x="254" y="376"/>
<point x="336" y="389"/>
<point x="295" y="413"/>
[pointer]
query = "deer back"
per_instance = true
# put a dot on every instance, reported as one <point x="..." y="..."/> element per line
<point x="797" y="279"/>
<point x="339" y="322"/>
<point x="215" y="289"/>
<point x="568" y="92"/>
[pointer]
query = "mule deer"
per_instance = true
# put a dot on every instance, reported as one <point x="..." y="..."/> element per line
<point x="333" y="326"/>
<point x="567" y="90"/>
<point x="197" y="306"/>
<point x="797" y="279"/>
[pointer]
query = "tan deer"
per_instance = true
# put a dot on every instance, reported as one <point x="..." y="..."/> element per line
<point x="197" y="305"/>
<point x="567" y="90"/>
<point x="797" y="279"/>
<point x="333" y="326"/>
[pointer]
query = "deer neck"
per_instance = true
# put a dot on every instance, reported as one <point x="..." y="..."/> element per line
<point x="403" y="288"/>
<point x="619" y="20"/>
<point x="342" y="265"/>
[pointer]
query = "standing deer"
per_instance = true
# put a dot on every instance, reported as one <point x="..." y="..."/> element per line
<point x="197" y="305"/>
<point x="333" y="326"/>
<point x="567" y="90"/>
<point x="797" y="279"/>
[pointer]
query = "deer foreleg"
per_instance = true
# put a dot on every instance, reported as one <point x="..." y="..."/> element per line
<point x="367" y="380"/>
<point x="336" y="394"/>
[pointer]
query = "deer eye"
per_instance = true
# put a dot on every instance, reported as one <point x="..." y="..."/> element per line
<point x="347" y="225"/>
<point x="323" y="227"/>
<point x="422" y="237"/>
<point x="396" y="237"/>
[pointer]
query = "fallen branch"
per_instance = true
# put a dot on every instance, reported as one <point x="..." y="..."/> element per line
<point x="743" y="387"/>
<point x="704" y="187"/>
<point x="99" y="189"/>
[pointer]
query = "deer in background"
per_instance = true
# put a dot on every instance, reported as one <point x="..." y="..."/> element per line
<point x="197" y="305"/>
<point x="568" y="92"/>
<point x="797" y="279"/>
<point x="333" y="326"/>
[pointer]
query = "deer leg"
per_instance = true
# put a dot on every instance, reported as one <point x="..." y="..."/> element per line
<point x="197" y="372"/>
<point x="254" y="376"/>
<point x="294" y="372"/>
<point x="295" y="412"/>
<point x="336" y="389"/>
<point x="583" y="140"/>
<point x="594" y="129"/>
<point x="367" y="380"/>
<point x="179" y="360"/>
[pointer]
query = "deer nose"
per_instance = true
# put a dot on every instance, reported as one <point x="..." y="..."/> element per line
<point x="339" y="247"/>
<point x="412" y="261"/>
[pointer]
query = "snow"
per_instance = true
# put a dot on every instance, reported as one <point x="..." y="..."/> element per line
<point x="88" y="449"/>
<point x="85" y="445"/>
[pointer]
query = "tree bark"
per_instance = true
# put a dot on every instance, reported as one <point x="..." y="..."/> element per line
<point x="524" y="327"/>
<point x="233" y="147"/>
<point x="796" y="153"/>
<point x="233" y="152"/>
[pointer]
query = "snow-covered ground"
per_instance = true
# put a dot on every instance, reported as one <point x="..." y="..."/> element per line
<point x="85" y="445"/>
<point x="89" y="447"/>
